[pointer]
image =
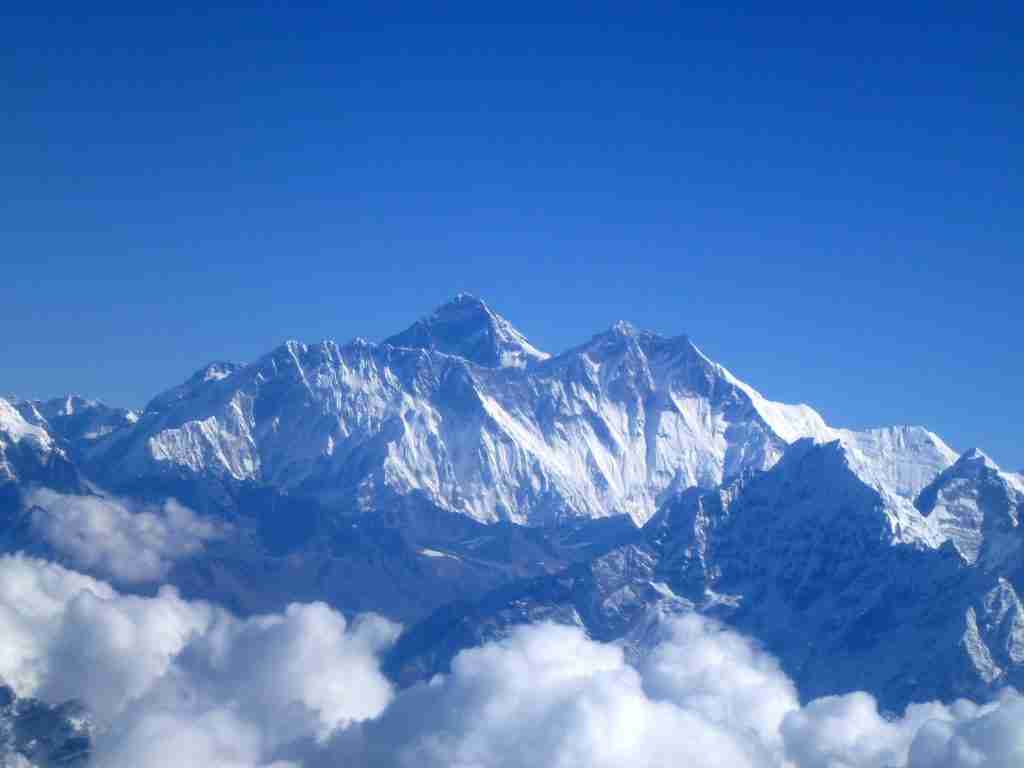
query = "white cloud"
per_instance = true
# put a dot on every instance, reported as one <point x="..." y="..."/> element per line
<point x="973" y="737"/>
<point x="705" y="697"/>
<point x="701" y="666"/>
<point x="65" y="635"/>
<point x="175" y="682"/>
<point x="308" y="655"/>
<point x="117" y="538"/>
<point x="848" y="732"/>
<point x="157" y="739"/>
<point x="547" y="695"/>
<point x="229" y="691"/>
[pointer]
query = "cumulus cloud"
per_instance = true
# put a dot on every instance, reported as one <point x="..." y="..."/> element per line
<point x="848" y="732"/>
<point x="973" y="737"/>
<point x="159" y="670"/>
<point x="303" y="689"/>
<point x="117" y="538"/>
<point x="704" y="697"/>
<point x="699" y="665"/>
<point x="547" y="695"/>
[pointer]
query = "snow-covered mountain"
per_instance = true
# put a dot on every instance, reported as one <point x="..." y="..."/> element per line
<point x="388" y="477"/>
<point x="462" y="409"/>
<point x="19" y="437"/>
<point x="850" y="587"/>
<point x="29" y="453"/>
<point x="75" y="419"/>
<point x="976" y="506"/>
<point x="466" y="327"/>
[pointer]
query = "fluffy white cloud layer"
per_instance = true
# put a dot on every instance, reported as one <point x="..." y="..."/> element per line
<point x="973" y="737"/>
<point x="178" y="683"/>
<point x="705" y="697"/>
<point x="161" y="670"/>
<point x="549" y="696"/>
<point x="117" y="538"/>
<point x="701" y="666"/>
<point x="848" y="732"/>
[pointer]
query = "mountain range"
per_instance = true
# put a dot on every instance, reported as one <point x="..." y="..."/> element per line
<point x="461" y="409"/>
<point x="458" y="479"/>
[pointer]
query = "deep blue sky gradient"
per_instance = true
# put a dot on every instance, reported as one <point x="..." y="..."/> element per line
<point x="831" y="206"/>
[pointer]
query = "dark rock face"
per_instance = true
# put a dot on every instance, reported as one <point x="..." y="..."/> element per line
<point x="46" y="736"/>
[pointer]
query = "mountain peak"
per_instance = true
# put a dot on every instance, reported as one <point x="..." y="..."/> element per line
<point x="463" y="298"/>
<point x="623" y="328"/>
<point x="973" y="465"/>
<point x="215" y="371"/>
<point x="462" y="305"/>
<point x="975" y="457"/>
<point x="466" y="327"/>
<point x="15" y="428"/>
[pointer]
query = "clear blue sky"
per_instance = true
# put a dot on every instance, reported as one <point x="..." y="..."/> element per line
<point x="830" y="205"/>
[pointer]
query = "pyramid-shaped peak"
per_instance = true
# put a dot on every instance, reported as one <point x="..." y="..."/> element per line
<point x="466" y="327"/>
<point x="973" y="466"/>
<point x="975" y="457"/>
<point x="463" y="299"/>
<point x="624" y="335"/>
<point x="624" y="329"/>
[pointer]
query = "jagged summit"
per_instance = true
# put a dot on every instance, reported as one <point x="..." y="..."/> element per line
<point x="657" y="354"/>
<point x="75" y="418"/>
<point x="972" y="467"/>
<point x="975" y="505"/>
<point x="215" y="371"/>
<point x="623" y="328"/>
<point x="468" y="328"/>
<point x="14" y="428"/>
<point x="976" y="457"/>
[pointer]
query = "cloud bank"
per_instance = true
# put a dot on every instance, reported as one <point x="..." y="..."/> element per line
<point x="704" y="697"/>
<point x="162" y="670"/>
<point x="117" y="538"/>
<point x="304" y="688"/>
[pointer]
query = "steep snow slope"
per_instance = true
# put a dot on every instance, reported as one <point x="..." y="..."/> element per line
<point x="21" y="443"/>
<point x="14" y="428"/>
<point x="461" y="408"/>
<point x="900" y="460"/>
<point x="75" y="419"/>
<point x="976" y="507"/>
